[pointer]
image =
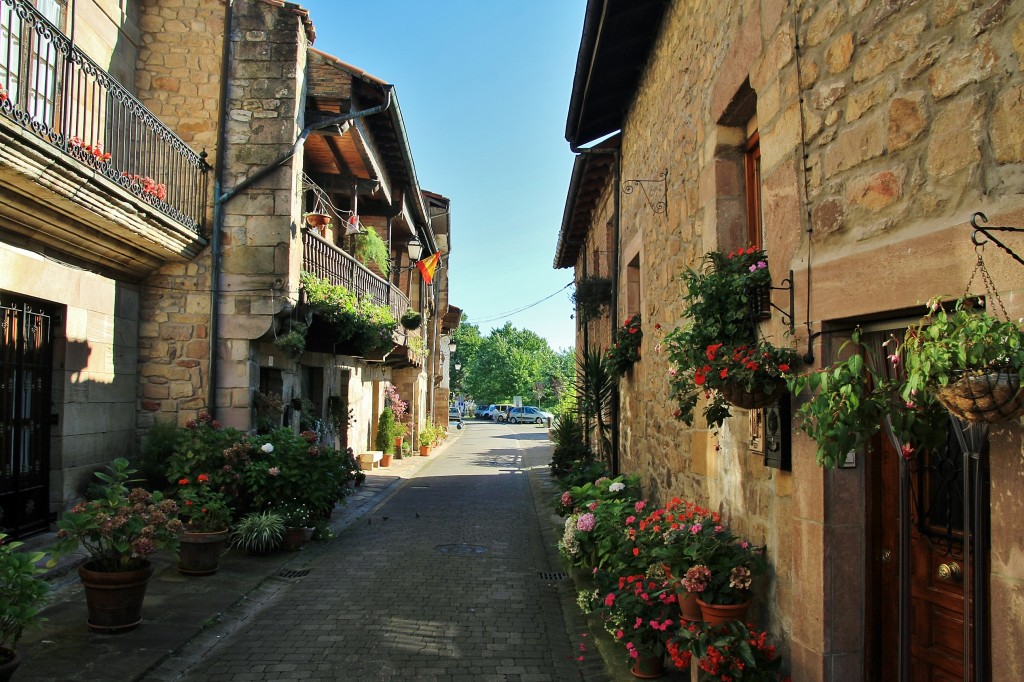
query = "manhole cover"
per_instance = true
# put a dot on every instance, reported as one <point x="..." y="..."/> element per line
<point x="460" y="550"/>
<point x="292" y="573"/>
<point x="553" y="577"/>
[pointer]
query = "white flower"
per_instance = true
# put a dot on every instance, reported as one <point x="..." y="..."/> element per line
<point x="616" y="487"/>
<point x="267" y="448"/>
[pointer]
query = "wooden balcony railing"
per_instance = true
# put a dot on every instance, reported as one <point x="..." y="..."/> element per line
<point x="54" y="91"/>
<point x="325" y="260"/>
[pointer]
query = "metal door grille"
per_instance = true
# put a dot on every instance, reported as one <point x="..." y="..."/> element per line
<point x="25" y="372"/>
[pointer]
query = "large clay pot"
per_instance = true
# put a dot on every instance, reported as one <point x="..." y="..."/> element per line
<point x="718" y="614"/>
<point x="385" y="461"/>
<point x="114" y="599"/>
<point x="11" y="661"/>
<point x="199" y="553"/>
<point x="424" y="450"/>
<point x="689" y="609"/>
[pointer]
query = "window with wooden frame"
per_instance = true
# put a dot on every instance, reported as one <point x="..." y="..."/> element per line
<point x="752" y="187"/>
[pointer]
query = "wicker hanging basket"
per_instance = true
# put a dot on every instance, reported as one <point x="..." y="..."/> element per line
<point x="738" y="396"/>
<point x="994" y="397"/>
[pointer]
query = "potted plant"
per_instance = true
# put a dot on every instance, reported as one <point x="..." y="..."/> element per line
<point x="732" y="651"/>
<point x="426" y="439"/>
<point x="119" y="531"/>
<point x="20" y="600"/>
<point x="411" y="319"/>
<point x="399" y="408"/>
<point x="722" y="583"/>
<point x="719" y="352"/>
<point x="293" y="343"/>
<point x="318" y="220"/>
<point x="370" y="248"/>
<point x="206" y="516"/>
<point x="259" y="532"/>
<point x="625" y="350"/>
<point x="297" y="517"/>
<point x="385" y="440"/>
<point x="970" y="360"/>
<point x="593" y="296"/>
<point x="640" y="613"/>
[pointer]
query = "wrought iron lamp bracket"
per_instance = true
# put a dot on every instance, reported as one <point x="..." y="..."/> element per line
<point x="978" y="229"/>
<point x="787" y="315"/>
<point x="657" y="207"/>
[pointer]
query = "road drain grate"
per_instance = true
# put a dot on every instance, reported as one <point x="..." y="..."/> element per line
<point x="292" y="573"/>
<point x="552" y="576"/>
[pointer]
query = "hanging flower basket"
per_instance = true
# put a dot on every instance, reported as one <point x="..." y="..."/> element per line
<point x="318" y="221"/>
<point x="994" y="397"/>
<point x="737" y="395"/>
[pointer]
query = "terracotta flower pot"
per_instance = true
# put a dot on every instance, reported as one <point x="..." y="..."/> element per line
<point x="648" y="667"/>
<point x="424" y="450"/>
<point x="199" y="553"/>
<point x="689" y="609"/>
<point x="717" y="614"/>
<point x="292" y="540"/>
<point x="385" y="461"/>
<point x="114" y="599"/>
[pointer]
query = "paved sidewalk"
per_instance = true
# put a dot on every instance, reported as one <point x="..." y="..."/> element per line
<point x="181" y="609"/>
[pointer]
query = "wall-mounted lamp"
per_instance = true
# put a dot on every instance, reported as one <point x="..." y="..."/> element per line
<point x="458" y="366"/>
<point x="415" y="249"/>
<point x="451" y="347"/>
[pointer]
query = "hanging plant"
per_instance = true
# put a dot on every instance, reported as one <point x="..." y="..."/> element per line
<point x="365" y="325"/>
<point x="972" y="361"/>
<point x="719" y="353"/>
<point x="294" y="342"/>
<point x="411" y="319"/>
<point x="370" y="248"/>
<point x="593" y="297"/>
<point x="625" y="350"/>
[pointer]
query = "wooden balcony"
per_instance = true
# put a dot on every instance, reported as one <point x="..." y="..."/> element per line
<point x="86" y="169"/>
<point x="325" y="260"/>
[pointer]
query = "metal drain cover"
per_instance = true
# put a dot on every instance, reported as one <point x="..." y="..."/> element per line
<point x="460" y="550"/>
<point x="553" y="577"/>
<point x="292" y="573"/>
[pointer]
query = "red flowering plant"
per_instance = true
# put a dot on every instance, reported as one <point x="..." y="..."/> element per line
<point x="720" y="349"/>
<point x="732" y="651"/>
<point x="675" y="535"/>
<point x="640" y="612"/>
<point x="205" y="448"/>
<point x="625" y="349"/>
<point x="727" y="566"/>
<point x="202" y="508"/>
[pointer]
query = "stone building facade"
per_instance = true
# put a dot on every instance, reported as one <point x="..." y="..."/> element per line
<point x="881" y="128"/>
<point x="152" y="238"/>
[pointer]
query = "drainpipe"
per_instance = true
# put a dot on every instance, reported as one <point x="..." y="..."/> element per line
<point x="221" y="199"/>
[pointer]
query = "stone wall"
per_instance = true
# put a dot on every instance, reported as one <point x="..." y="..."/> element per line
<point x="178" y="77"/>
<point x="907" y="124"/>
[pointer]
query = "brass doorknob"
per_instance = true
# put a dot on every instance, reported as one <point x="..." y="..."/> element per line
<point x="950" y="572"/>
<point x="886" y="556"/>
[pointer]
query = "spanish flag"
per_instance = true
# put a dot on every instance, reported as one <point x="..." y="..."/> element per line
<point x="428" y="266"/>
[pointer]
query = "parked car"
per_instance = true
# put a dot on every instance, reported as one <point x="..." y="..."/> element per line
<point x="527" y="414"/>
<point x="484" y="412"/>
<point x="500" y="412"/>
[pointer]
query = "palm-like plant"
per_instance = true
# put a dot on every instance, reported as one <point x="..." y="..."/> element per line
<point x="597" y="390"/>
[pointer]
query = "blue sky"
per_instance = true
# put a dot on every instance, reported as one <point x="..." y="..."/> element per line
<point x="484" y="90"/>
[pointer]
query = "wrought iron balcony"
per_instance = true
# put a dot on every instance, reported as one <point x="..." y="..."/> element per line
<point x="56" y="93"/>
<point x="325" y="260"/>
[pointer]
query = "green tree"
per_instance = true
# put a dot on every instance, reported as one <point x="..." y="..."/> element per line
<point x="508" y="362"/>
<point x="467" y="343"/>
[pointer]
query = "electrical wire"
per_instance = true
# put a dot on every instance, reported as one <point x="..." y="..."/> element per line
<point x="502" y="316"/>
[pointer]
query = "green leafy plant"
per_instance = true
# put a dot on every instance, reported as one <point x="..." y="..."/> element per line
<point x="365" y="325"/>
<point x="641" y="614"/>
<point x="370" y="248"/>
<point x="570" y="447"/>
<point x="259" y="532"/>
<point x="386" y="427"/>
<point x="23" y="592"/>
<point x="719" y="349"/>
<point x="294" y="341"/>
<point x="205" y="448"/>
<point x="843" y="406"/>
<point x="285" y="466"/>
<point x="426" y="435"/>
<point x="122" y="528"/>
<point x="417" y="345"/>
<point x="625" y="349"/>
<point x="948" y="345"/>
<point x="411" y="319"/>
<point x="593" y="297"/>
<point x="596" y="390"/>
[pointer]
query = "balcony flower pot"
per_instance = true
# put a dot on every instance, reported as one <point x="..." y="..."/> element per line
<point x="114" y="599"/>
<point x="199" y="553"/>
<point x="319" y="222"/>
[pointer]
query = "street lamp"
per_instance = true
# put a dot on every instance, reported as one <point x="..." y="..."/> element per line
<point x="415" y="249"/>
<point x="451" y="347"/>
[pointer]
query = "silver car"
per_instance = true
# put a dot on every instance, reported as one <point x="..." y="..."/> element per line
<point x="528" y="414"/>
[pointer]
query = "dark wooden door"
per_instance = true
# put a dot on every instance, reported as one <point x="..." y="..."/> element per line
<point x="937" y="563"/>
<point x="25" y="401"/>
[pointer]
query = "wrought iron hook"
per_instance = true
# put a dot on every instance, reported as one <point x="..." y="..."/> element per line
<point x="987" y="232"/>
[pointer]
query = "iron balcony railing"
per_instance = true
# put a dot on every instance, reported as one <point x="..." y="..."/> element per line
<point x="325" y="260"/>
<point x="53" y="90"/>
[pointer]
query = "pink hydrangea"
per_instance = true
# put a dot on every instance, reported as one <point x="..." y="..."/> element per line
<point x="586" y="523"/>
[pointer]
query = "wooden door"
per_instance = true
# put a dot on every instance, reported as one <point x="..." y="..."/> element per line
<point x="937" y="563"/>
